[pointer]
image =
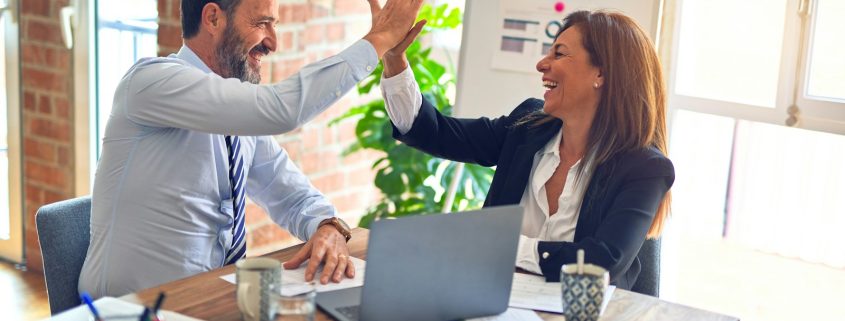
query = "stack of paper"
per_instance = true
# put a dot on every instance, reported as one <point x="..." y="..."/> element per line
<point x="533" y="292"/>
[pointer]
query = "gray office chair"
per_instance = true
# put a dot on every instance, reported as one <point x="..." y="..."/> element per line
<point x="63" y="233"/>
<point x="648" y="282"/>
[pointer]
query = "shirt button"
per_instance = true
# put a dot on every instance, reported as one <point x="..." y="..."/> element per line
<point x="545" y="255"/>
<point x="369" y="68"/>
<point x="337" y="93"/>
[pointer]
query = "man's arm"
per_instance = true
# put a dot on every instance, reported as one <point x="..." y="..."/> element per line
<point x="277" y="185"/>
<point x="179" y="96"/>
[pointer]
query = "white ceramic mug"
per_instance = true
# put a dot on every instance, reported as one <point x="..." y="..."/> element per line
<point x="257" y="280"/>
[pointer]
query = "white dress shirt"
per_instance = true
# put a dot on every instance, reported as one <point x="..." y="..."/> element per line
<point x="403" y="100"/>
<point x="162" y="202"/>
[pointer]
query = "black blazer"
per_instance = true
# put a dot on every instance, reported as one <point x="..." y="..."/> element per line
<point x="619" y="204"/>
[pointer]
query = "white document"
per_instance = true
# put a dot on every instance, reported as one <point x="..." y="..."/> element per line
<point x="512" y="314"/>
<point x="293" y="281"/>
<point x="533" y="292"/>
<point x="113" y="308"/>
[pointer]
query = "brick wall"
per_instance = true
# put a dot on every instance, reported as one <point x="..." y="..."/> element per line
<point x="309" y="30"/>
<point x="46" y="81"/>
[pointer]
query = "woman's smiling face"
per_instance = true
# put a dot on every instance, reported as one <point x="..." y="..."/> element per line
<point x="573" y="83"/>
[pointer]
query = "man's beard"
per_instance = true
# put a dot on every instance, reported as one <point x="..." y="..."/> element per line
<point x="234" y="60"/>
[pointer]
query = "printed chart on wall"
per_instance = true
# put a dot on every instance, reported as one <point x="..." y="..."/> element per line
<point x="527" y="30"/>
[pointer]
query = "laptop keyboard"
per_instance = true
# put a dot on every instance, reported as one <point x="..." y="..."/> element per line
<point x="350" y="312"/>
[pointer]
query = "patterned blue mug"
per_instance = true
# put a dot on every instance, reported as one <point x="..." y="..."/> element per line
<point x="583" y="293"/>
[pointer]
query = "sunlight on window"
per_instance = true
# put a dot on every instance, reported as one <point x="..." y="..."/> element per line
<point x="126" y="32"/>
<point x="4" y="143"/>
<point x="827" y="68"/>
<point x="731" y="50"/>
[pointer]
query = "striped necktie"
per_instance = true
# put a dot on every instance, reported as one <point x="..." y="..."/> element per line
<point x="236" y="180"/>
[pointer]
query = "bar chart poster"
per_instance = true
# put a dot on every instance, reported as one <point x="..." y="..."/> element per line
<point x="527" y="30"/>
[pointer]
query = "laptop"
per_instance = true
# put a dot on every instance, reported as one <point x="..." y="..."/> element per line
<point x="434" y="267"/>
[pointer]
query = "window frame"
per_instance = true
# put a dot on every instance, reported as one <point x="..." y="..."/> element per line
<point x="793" y="69"/>
<point x="13" y="249"/>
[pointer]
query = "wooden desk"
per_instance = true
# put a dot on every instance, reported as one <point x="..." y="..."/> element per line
<point x="206" y="296"/>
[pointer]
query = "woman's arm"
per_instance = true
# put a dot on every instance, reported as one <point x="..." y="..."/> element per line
<point x="621" y="233"/>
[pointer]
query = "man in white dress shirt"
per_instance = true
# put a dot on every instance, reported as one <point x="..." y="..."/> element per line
<point x="188" y="139"/>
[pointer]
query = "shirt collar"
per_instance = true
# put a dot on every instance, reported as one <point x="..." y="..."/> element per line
<point x="191" y="57"/>
<point x="553" y="146"/>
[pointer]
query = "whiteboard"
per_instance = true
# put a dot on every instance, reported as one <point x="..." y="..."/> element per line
<point x="483" y="90"/>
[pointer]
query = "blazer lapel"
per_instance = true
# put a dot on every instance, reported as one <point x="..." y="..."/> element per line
<point x="523" y="158"/>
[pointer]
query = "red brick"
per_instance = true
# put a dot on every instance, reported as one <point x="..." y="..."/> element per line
<point x="49" y="129"/>
<point x="314" y="34"/>
<point x="348" y="202"/>
<point x="35" y="7"/>
<point x="300" y="12"/>
<point x="318" y="11"/>
<point x="255" y="215"/>
<point x="360" y="176"/>
<point x="34" y="194"/>
<point x="349" y="7"/>
<point x="335" y="31"/>
<point x="45" y="174"/>
<point x="39" y="150"/>
<point x="175" y="9"/>
<point x="29" y="102"/>
<point x="33" y="54"/>
<point x="313" y="162"/>
<point x="36" y="30"/>
<point x="311" y="138"/>
<point x="285" y="41"/>
<point x="52" y="197"/>
<point x="332" y="182"/>
<point x="266" y="235"/>
<point x="294" y="149"/>
<point x="63" y="157"/>
<point x="61" y="106"/>
<point x="33" y="252"/>
<point x="169" y="36"/>
<point x="44" y="105"/>
<point x="59" y="59"/>
<point x="266" y="71"/>
<point x="45" y="80"/>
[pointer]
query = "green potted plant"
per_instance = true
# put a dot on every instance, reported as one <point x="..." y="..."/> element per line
<point x="412" y="182"/>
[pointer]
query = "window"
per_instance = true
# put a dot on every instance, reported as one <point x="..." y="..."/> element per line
<point x="126" y="32"/>
<point x="758" y="102"/>
<point x="109" y="36"/>
<point x="11" y="226"/>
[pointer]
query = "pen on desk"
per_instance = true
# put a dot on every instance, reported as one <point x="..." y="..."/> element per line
<point x="157" y="305"/>
<point x="146" y="315"/>
<point x="90" y="303"/>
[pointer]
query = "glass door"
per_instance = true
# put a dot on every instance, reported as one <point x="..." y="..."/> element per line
<point x="11" y="215"/>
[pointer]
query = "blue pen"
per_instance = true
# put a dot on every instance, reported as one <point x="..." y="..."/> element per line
<point x="87" y="299"/>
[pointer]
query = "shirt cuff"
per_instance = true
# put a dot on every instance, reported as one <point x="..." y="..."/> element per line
<point x="362" y="57"/>
<point x="403" y="99"/>
<point x="526" y="255"/>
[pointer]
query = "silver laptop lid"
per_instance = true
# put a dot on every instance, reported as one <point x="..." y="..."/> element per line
<point x="441" y="266"/>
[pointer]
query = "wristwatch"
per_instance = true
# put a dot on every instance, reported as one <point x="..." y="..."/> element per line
<point x="340" y="225"/>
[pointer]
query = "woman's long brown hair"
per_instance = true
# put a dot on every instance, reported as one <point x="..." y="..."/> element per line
<point x="632" y="109"/>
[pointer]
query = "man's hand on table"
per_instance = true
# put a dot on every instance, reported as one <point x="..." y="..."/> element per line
<point x="326" y="246"/>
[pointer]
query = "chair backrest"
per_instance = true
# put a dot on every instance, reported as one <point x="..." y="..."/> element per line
<point x="64" y="232"/>
<point x="648" y="281"/>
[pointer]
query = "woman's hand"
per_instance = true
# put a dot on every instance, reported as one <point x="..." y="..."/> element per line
<point x="394" y="59"/>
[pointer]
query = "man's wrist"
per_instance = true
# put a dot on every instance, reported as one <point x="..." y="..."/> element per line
<point x="339" y="225"/>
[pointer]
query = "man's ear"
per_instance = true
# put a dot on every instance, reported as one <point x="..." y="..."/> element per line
<point x="213" y="19"/>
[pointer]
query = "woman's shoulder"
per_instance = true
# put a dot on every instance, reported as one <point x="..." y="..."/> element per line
<point x="529" y="106"/>
<point x="645" y="162"/>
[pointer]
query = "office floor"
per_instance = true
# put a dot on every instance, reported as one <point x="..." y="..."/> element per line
<point x="23" y="295"/>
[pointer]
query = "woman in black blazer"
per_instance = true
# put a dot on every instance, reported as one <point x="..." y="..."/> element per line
<point x="593" y="152"/>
